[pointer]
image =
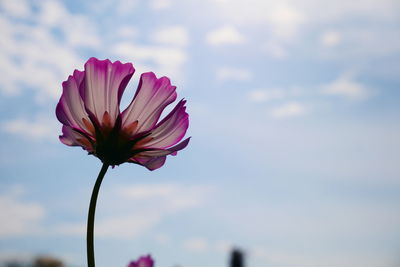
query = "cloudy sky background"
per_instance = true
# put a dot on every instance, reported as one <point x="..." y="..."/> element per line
<point x="295" y="117"/>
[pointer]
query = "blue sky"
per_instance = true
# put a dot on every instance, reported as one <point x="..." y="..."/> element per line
<point x="294" y="117"/>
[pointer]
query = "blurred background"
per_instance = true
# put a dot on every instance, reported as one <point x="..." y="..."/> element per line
<point x="295" y="124"/>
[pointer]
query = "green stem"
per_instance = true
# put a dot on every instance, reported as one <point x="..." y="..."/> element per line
<point x="92" y="210"/>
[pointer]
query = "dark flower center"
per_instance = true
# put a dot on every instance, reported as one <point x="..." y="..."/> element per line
<point x="114" y="146"/>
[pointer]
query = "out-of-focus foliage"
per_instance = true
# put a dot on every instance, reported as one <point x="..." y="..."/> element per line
<point x="42" y="261"/>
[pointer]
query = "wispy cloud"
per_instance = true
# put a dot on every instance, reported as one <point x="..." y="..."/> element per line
<point x="291" y="109"/>
<point x="77" y="29"/>
<point x="24" y="44"/>
<point x="226" y="35"/>
<point x="359" y="43"/>
<point x="20" y="9"/>
<point x="206" y="245"/>
<point x="289" y="23"/>
<point x="196" y="245"/>
<point x="264" y="95"/>
<point x="148" y="206"/>
<point x="285" y="19"/>
<point x="345" y="86"/>
<point x="160" y="4"/>
<point x="19" y="217"/>
<point x="172" y="35"/>
<point x="233" y="74"/>
<point x="41" y="128"/>
<point x="165" y="60"/>
<point x="275" y="50"/>
<point x="174" y="197"/>
<point x="282" y="20"/>
<point x="268" y="255"/>
<point x="126" y="32"/>
<point x="127" y="226"/>
<point x="125" y="7"/>
<point x="330" y="38"/>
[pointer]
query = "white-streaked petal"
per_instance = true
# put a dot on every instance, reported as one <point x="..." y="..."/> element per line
<point x="151" y="97"/>
<point x="104" y="84"/>
<point x="171" y="129"/>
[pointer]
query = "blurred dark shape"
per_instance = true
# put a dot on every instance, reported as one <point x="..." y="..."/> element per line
<point x="47" y="262"/>
<point x="15" y="264"/>
<point x="41" y="261"/>
<point x="237" y="258"/>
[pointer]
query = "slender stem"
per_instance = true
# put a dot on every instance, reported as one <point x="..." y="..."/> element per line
<point x="92" y="210"/>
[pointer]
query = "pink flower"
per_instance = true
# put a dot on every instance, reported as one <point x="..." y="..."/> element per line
<point x="90" y="114"/>
<point x="142" y="262"/>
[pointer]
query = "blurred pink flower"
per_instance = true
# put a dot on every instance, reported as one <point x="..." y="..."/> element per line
<point x="145" y="261"/>
<point x="90" y="113"/>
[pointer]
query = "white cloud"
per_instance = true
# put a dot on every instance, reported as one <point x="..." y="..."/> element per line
<point x="201" y="245"/>
<point x="78" y="29"/>
<point x="77" y="229"/>
<point x="282" y="20"/>
<point x="50" y="11"/>
<point x="171" y="197"/>
<point x="162" y="238"/>
<point x="127" y="226"/>
<point x="197" y="245"/>
<point x="346" y="87"/>
<point x="268" y="255"/>
<point x="172" y="35"/>
<point x="226" y="35"/>
<point x="355" y="42"/>
<point x="334" y="11"/>
<point x="275" y="50"/>
<point x="40" y="128"/>
<point x="115" y="226"/>
<point x="330" y="38"/>
<point x="261" y="95"/>
<point x="291" y="109"/>
<point x="166" y="60"/>
<point x="128" y="32"/>
<point x="160" y="4"/>
<point x="143" y="192"/>
<point x="19" y="217"/>
<point x="292" y="12"/>
<point x="233" y="74"/>
<point x="33" y="57"/>
<point x="286" y="23"/>
<point x="222" y="246"/>
<point x="285" y="20"/>
<point x="19" y="9"/>
<point x="140" y="208"/>
<point x="126" y="7"/>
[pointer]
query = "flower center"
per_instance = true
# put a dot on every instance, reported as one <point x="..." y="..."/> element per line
<point x="115" y="146"/>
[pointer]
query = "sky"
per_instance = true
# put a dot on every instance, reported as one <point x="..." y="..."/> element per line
<point x="295" y="124"/>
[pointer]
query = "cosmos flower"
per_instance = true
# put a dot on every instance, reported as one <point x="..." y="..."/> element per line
<point x="91" y="117"/>
<point x="146" y="261"/>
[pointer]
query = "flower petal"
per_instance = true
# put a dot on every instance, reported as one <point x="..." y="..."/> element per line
<point x="146" y="261"/>
<point x="155" y="159"/>
<point x="104" y="85"/>
<point x="174" y="150"/>
<point x="153" y="163"/>
<point x="72" y="137"/>
<point x="70" y="109"/>
<point x="164" y="152"/>
<point x="171" y="129"/>
<point x="151" y="97"/>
